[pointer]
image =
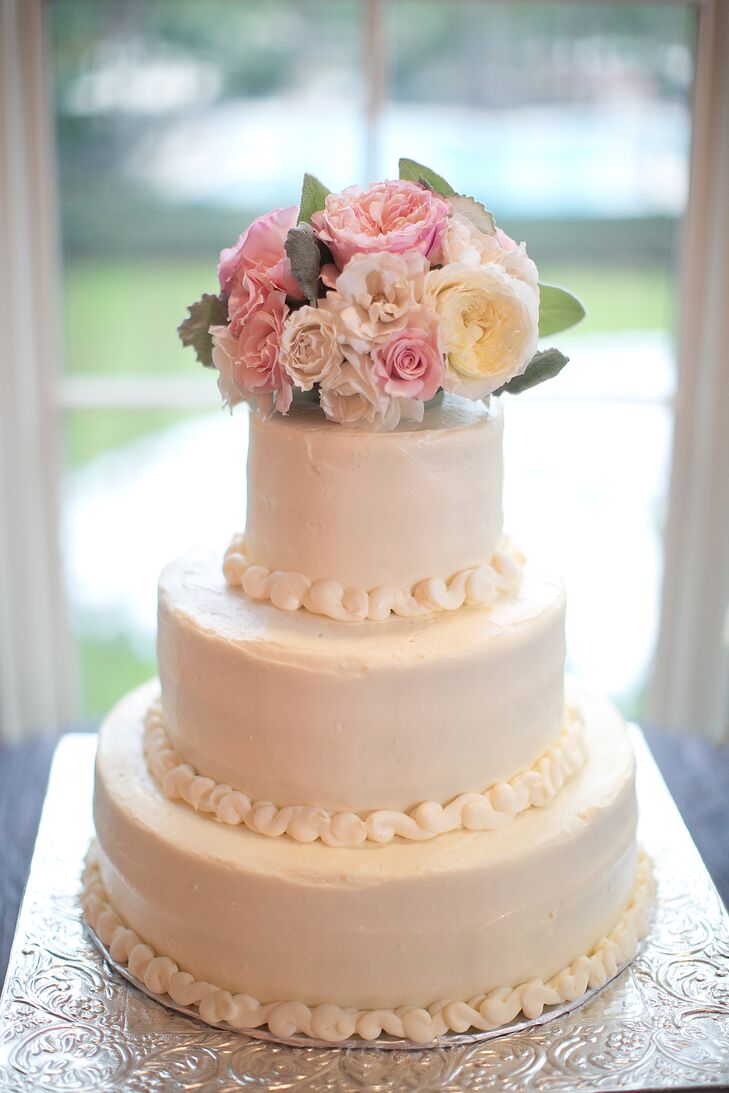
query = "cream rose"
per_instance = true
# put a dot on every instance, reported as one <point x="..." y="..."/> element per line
<point x="465" y="244"/>
<point x="356" y="401"/>
<point x="488" y="325"/>
<point x="374" y="295"/>
<point x="310" y="351"/>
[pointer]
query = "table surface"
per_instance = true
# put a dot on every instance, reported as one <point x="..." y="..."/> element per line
<point x="697" y="775"/>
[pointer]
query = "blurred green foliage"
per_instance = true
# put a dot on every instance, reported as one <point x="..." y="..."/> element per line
<point x="111" y="666"/>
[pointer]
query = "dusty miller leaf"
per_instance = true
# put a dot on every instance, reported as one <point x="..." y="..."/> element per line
<point x="208" y="311"/>
<point x="474" y="211"/>
<point x="558" y="310"/>
<point x="305" y="256"/>
<point x="544" y="365"/>
<point x="313" y="196"/>
<point x="413" y="171"/>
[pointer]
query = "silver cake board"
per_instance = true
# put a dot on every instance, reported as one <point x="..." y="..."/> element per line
<point x="69" y="1021"/>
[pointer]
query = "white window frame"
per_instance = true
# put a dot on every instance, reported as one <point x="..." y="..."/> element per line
<point x="38" y="677"/>
<point x="37" y="664"/>
<point x="690" y="682"/>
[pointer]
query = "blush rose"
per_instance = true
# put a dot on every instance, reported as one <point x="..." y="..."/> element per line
<point x="258" y="265"/>
<point x="394" y="216"/>
<point x="248" y="362"/>
<point x="410" y="363"/>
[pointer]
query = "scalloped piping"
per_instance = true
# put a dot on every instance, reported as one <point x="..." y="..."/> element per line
<point x="161" y="976"/>
<point x="481" y="585"/>
<point x="496" y="807"/>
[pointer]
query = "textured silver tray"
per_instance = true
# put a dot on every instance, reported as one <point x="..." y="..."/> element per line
<point x="69" y="1022"/>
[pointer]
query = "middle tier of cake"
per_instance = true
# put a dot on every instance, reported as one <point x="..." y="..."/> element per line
<point x="296" y="709"/>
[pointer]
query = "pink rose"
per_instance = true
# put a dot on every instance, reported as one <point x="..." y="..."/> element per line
<point x="256" y="371"/>
<point x="387" y="216"/>
<point x="258" y="264"/>
<point x="410" y="363"/>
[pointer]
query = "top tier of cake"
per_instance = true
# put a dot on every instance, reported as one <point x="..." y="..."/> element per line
<point x="371" y="510"/>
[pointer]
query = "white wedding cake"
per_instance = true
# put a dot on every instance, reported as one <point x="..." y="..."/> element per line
<point x="360" y="798"/>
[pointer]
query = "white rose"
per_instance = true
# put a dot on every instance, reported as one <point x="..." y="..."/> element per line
<point x="375" y="292"/>
<point x="357" y="402"/>
<point x="464" y="244"/>
<point x="310" y="351"/>
<point x="489" y="326"/>
<point x="225" y="353"/>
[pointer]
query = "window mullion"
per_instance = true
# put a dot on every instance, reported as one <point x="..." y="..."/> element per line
<point x="37" y="682"/>
<point x="374" y="59"/>
<point x="691" y="680"/>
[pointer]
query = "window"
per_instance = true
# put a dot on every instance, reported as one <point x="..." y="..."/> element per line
<point x="177" y="122"/>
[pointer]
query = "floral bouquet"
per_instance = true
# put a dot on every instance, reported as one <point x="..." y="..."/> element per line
<point x="374" y="300"/>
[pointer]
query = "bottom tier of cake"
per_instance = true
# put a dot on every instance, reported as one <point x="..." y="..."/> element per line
<point x="413" y="939"/>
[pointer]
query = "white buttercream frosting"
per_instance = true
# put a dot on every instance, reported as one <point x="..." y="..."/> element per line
<point x="369" y="927"/>
<point x="367" y="510"/>
<point x="496" y="807"/>
<point x="299" y="709"/>
<point x="328" y="1021"/>
<point x="481" y="585"/>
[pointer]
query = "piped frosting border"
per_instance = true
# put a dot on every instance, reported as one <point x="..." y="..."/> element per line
<point x="162" y="977"/>
<point x="481" y="585"/>
<point x="496" y="807"/>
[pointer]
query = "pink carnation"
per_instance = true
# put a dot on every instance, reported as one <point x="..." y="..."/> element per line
<point x="250" y="292"/>
<point x="256" y="370"/>
<point x="410" y="363"/>
<point x="387" y="216"/>
<point x="258" y="265"/>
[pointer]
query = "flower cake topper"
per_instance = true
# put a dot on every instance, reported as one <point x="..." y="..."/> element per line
<point x="374" y="300"/>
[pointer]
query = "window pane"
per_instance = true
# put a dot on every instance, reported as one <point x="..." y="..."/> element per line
<point x="140" y="487"/>
<point x="572" y="123"/>
<point x="581" y="497"/>
<point x="177" y="123"/>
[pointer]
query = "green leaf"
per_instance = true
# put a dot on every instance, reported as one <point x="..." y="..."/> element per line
<point x="208" y="311"/>
<point x="558" y="310"/>
<point x="313" y="196"/>
<point x="544" y="365"/>
<point x="413" y="171"/>
<point x="474" y="211"/>
<point x="305" y="257"/>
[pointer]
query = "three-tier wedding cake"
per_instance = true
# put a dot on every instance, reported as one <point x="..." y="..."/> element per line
<point x="360" y="798"/>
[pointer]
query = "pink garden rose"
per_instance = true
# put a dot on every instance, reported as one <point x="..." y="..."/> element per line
<point x="247" y="361"/>
<point x="410" y="363"/>
<point x="258" y="265"/>
<point x="395" y="216"/>
<point x="261" y="247"/>
<point x="257" y="370"/>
